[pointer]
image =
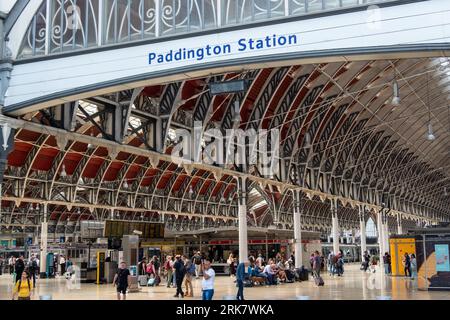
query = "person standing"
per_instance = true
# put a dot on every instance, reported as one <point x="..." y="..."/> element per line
<point x="19" y="267"/>
<point x="179" y="275"/>
<point x="23" y="288"/>
<point x="387" y="263"/>
<point x="189" y="273"/>
<point x="208" y="281"/>
<point x="11" y="264"/>
<point x="197" y="260"/>
<point x="413" y="263"/>
<point x="62" y="264"/>
<point x="121" y="280"/>
<point x="240" y="277"/>
<point x="366" y="261"/>
<point x="142" y="267"/>
<point x="316" y="265"/>
<point x="33" y="269"/>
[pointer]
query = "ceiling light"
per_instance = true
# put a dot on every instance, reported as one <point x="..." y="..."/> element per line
<point x="430" y="134"/>
<point x="396" y="99"/>
<point x="307" y="140"/>
<point x="191" y="191"/>
<point x="63" y="171"/>
<point x="125" y="184"/>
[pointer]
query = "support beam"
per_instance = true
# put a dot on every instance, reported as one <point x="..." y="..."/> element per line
<point x="44" y="236"/>
<point x="335" y="227"/>
<point x="362" y="231"/>
<point x="242" y="198"/>
<point x="297" y="229"/>
<point x="399" y="224"/>
<point x="380" y="232"/>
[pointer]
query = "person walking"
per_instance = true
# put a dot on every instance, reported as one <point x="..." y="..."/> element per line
<point x="413" y="263"/>
<point x="387" y="263"/>
<point x="407" y="265"/>
<point x="179" y="275"/>
<point x="23" y="288"/>
<point x="168" y="266"/>
<point x="121" y="280"/>
<point x="197" y="260"/>
<point x="330" y="263"/>
<point x="240" y="277"/>
<point x="189" y="273"/>
<point x="316" y="264"/>
<point x="208" y="281"/>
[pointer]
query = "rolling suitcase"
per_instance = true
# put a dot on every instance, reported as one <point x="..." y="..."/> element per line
<point x="318" y="280"/>
<point x="142" y="280"/>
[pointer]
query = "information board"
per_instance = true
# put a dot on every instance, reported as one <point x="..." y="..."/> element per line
<point x="117" y="229"/>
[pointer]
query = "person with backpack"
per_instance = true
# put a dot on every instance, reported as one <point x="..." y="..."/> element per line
<point x="19" y="267"/>
<point x="197" y="260"/>
<point x="190" y="272"/>
<point x="23" y="288"/>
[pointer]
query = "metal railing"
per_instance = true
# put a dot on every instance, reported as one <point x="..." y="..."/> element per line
<point x="67" y="25"/>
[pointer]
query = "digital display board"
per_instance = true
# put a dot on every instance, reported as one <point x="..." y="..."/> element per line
<point x="117" y="229"/>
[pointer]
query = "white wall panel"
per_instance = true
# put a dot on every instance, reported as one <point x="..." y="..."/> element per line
<point x="418" y="23"/>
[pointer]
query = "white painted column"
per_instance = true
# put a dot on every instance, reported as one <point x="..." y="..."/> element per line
<point x="380" y="233"/>
<point x="399" y="224"/>
<point x="335" y="228"/>
<point x="44" y="236"/>
<point x="386" y="236"/>
<point x="242" y="219"/>
<point x="297" y="230"/>
<point x="362" y="230"/>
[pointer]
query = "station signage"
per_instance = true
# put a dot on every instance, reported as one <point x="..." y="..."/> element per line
<point x="201" y="53"/>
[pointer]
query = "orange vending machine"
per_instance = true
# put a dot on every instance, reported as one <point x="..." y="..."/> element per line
<point x="400" y="245"/>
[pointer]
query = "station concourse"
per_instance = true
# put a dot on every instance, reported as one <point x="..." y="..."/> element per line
<point x="294" y="137"/>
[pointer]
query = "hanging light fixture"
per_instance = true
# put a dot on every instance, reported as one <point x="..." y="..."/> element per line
<point x="125" y="184"/>
<point x="191" y="191"/>
<point x="90" y="145"/>
<point x="237" y="112"/>
<point x="63" y="171"/>
<point x="396" y="93"/>
<point x="430" y="134"/>
<point x="78" y="211"/>
<point x="308" y="140"/>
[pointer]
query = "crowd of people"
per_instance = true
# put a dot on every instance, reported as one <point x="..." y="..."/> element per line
<point x="179" y="272"/>
<point x="409" y="263"/>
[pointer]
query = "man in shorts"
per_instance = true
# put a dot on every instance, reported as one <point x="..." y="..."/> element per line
<point x="121" y="280"/>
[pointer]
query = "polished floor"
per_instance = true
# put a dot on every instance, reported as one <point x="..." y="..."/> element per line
<point x="354" y="285"/>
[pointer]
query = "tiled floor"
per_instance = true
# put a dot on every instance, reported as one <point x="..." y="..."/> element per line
<point x="353" y="285"/>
